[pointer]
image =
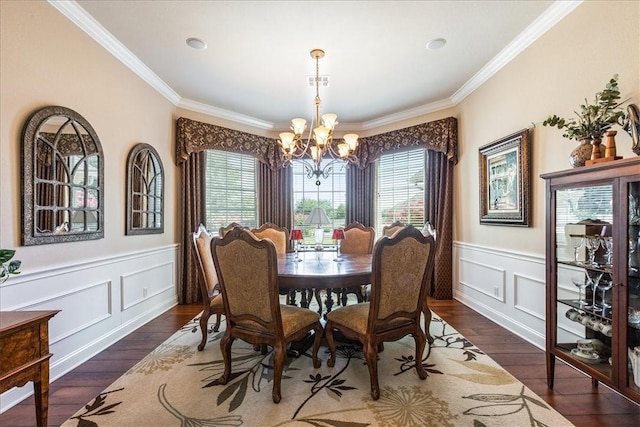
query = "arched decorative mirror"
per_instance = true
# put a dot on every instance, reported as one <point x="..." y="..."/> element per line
<point x="145" y="191"/>
<point x="63" y="178"/>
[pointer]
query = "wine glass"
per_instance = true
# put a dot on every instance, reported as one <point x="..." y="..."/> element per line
<point x="576" y="240"/>
<point x="581" y="282"/>
<point x="607" y="244"/>
<point x="604" y="286"/>
<point x="633" y="246"/>
<point x="594" y="276"/>
<point x="592" y="243"/>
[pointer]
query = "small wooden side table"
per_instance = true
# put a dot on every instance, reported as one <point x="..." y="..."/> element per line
<point x="24" y="355"/>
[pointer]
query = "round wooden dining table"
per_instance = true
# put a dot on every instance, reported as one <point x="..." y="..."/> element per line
<point x="320" y="270"/>
<point x="317" y="271"/>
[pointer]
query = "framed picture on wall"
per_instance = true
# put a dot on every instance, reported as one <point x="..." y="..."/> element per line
<point x="505" y="181"/>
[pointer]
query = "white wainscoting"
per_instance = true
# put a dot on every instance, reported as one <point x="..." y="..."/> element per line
<point x="504" y="286"/>
<point x="101" y="301"/>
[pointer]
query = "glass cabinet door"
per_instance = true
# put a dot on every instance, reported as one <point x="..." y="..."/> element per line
<point x="633" y="288"/>
<point x="584" y="237"/>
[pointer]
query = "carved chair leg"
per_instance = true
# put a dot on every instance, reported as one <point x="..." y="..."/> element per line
<point x="317" y="340"/>
<point x="204" y="319"/>
<point x="421" y="341"/>
<point x="328" y="334"/>
<point x="279" y="357"/>
<point x="371" y="356"/>
<point x="225" y="349"/>
<point x="427" y="322"/>
<point x="216" y="327"/>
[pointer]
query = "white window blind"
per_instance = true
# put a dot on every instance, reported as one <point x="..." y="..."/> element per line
<point x="329" y="195"/>
<point x="230" y="180"/>
<point x="579" y="204"/>
<point x="400" y="189"/>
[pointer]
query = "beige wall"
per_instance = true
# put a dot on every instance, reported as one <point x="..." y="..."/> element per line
<point x="46" y="60"/>
<point x="573" y="60"/>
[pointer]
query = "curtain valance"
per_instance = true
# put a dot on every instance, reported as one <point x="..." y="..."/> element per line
<point x="439" y="135"/>
<point x="193" y="136"/>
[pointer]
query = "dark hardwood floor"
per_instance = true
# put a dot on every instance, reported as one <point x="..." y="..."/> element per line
<point x="572" y="395"/>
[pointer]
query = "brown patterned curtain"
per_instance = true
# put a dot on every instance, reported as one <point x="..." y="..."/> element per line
<point x="439" y="212"/>
<point x="193" y="138"/>
<point x="193" y="214"/>
<point x="361" y="195"/>
<point x="275" y="196"/>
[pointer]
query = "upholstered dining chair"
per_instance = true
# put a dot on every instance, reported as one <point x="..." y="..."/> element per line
<point x="278" y="235"/>
<point x="224" y="230"/>
<point x="359" y="240"/>
<point x="391" y="229"/>
<point x="248" y="272"/>
<point x="210" y="291"/>
<point x="280" y="238"/>
<point x="402" y="265"/>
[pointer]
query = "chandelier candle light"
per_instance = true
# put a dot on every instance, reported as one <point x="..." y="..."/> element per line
<point x="319" y="143"/>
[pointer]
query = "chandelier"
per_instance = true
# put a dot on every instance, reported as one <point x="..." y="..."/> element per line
<point x="319" y="143"/>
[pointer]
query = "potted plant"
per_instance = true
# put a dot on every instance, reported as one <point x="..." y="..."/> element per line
<point x="593" y="120"/>
<point x="8" y="266"/>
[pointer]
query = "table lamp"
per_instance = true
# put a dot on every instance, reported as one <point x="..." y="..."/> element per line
<point x="296" y="236"/>
<point x="318" y="217"/>
<point x="338" y="236"/>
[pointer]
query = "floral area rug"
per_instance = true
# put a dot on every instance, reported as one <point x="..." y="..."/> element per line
<point x="172" y="386"/>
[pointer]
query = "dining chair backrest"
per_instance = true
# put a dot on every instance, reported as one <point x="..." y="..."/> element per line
<point x="401" y="269"/>
<point x="358" y="239"/>
<point x="248" y="272"/>
<point x="224" y="230"/>
<point x="208" y="280"/>
<point x="207" y="271"/>
<point x="278" y="235"/>
<point x="391" y="229"/>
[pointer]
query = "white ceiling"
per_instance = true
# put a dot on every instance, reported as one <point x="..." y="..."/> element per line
<point x="257" y="62"/>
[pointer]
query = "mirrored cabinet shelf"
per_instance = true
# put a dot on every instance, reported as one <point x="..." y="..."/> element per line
<point x="593" y="273"/>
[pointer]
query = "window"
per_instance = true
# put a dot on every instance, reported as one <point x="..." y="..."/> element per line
<point x="582" y="204"/>
<point x="230" y="181"/>
<point x="400" y="189"/>
<point x="329" y="195"/>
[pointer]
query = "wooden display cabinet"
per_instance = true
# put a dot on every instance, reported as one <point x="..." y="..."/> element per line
<point x="593" y="237"/>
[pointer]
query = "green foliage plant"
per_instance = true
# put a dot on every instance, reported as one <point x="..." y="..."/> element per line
<point x="595" y="119"/>
<point x="7" y="265"/>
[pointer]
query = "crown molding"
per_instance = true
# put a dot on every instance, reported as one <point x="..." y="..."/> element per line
<point x="556" y="12"/>
<point x="86" y="23"/>
<point x="220" y="113"/>
<point x="408" y="114"/>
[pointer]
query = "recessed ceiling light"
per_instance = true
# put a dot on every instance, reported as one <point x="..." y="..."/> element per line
<point x="436" y="44"/>
<point x="196" y="43"/>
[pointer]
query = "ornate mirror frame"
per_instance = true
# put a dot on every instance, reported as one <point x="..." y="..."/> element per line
<point x="62" y="178"/>
<point x="145" y="191"/>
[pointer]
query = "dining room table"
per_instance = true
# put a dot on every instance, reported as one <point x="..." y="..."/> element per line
<point x="314" y="271"/>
